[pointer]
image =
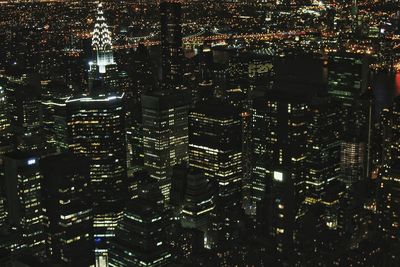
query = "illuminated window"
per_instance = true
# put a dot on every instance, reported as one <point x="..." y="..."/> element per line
<point x="31" y="161"/>
<point x="278" y="176"/>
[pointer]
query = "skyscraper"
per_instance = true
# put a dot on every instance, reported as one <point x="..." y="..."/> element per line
<point x="54" y="116"/>
<point x="101" y="42"/>
<point x="352" y="159"/>
<point x="96" y="130"/>
<point x="165" y="134"/>
<point x="388" y="198"/>
<point x="323" y="148"/>
<point x="4" y="119"/>
<point x="283" y="208"/>
<point x="348" y="76"/>
<point x="142" y="73"/>
<point x="198" y="201"/>
<point x="215" y="147"/>
<point x="279" y="130"/>
<point x="26" y="114"/>
<point x="23" y="182"/>
<point x="141" y="238"/>
<point x="391" y="134"/>
<point x="68" y="209"/>
<point x="389" y="203"/>
<point x="347" y="80"/>
<point x="171" y="44"/>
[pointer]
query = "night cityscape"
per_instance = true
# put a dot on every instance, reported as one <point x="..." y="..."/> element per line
<point x="199" y="133"/>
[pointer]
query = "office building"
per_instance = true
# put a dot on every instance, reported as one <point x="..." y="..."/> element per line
<point x="96" y="130"/>
<point x="54" y="116"/>
<point x="348" y="79"/>
<point x="25" y="112"/>
<point x="68" y="209"/>
<point x="23" y="185"/>
<point x="215" y="147"/>
<point x="279" y="133"/>
<point x="389" y="204"/>
<point x="165" y="134"/>
<point x="198" y="201"/>
<point x="279" y="129"/>
<point x="323" y="148"/>
<point x="348" y="76"/>
<point x="171" y="44"/>
<point x="141" y="237"/>
<point x="4" y="119"/>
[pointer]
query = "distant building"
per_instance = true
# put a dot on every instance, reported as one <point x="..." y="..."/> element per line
<point x="4" y="118"/>
<point x="279" y="137"/>
<point x="198" y="201"/>
<point x="96" y="130"/>
<point x="54" y="116"/>
<point x="23" y="184"/>
<point x="68" y="209"/>
<point x="171" y="44"/>
<point x="141" y="238"/>
<point x="323" y="148"/>
<point x="215" y="147"/>
<point x="348" y="79"/>
<point x="101" y="42"/>
<point x="389" y="204"/>
<point x="348" y="76"/>
<point x="279" y="129"/>
<point x="25" y="113"/>
<point x="165" y="134"/>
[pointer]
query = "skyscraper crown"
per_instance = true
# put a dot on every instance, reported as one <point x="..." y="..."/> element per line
<point x="101" y="41"/>
<point x="101" y="38"/>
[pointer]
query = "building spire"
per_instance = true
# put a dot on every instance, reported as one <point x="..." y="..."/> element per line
<point x="101" y="41"/>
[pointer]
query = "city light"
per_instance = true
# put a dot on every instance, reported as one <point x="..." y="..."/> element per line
<point x="200" y="133"/>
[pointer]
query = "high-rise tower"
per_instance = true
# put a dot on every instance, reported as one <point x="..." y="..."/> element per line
<point x="141" y="237"/>
<point x="198" y="201"/>
<point x="165" y="134"/>
<point x="96" y="130"/>
<point x="279" y="130"/>
<point x="68" y="209"/>
<point x="23" y="183"/>
<point x="4" y="120"/>
<point x="101" y="42"/>
<point x="323" y="148"/>
<point x="215" y="147"/>
<point x="171" y="44"/>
